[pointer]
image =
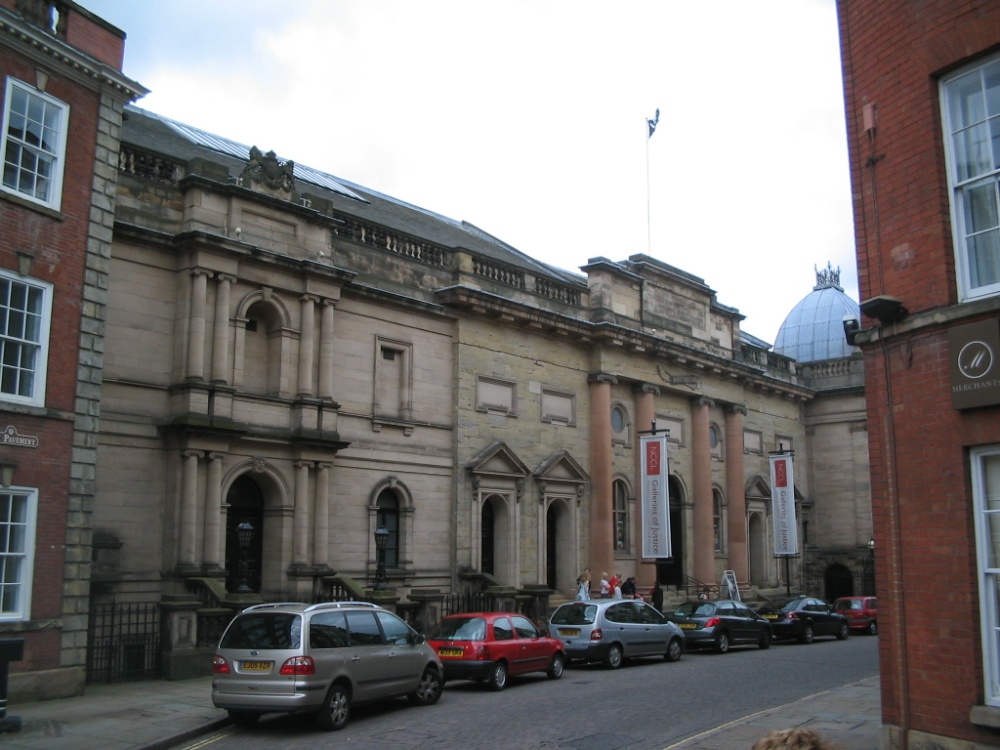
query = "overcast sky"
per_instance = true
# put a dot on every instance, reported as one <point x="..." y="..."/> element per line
<point x="528" y="118"/>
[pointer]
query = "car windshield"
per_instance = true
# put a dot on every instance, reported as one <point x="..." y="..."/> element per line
<point x="264" y="630"/>
<point x="791" y="605"/>
<point x="460" y="629"/>
<point x="695" y="609"/>
<point x="845" y="604"/>
<point x="575" y="614"/>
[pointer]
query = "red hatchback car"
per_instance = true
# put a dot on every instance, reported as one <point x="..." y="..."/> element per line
<point x="489" y="646"/>
<point x="861" y="612"/>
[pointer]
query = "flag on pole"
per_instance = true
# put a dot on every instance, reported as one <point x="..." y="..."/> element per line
<point x="655" y="501"/>
<point x="652" y="123"/>
<point x="783" y="505"/>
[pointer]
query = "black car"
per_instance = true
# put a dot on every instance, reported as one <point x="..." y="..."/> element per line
<point x="805" y="618"/>
<point x="721" y="624"/>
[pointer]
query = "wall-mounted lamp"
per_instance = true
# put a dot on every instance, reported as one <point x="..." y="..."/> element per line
<point x="852" y="327"/>
<point x="7" y="474"/>
<point x="884" y="309"/>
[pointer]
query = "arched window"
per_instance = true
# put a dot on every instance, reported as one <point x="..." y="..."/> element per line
<point x="718" y="522"/>
<point x="621" y="519"/>
<point x="619" y="425"/>
<point x="387" y="517"/>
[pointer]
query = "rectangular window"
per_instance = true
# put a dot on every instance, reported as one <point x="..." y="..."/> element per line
<point x="33" y="143"/>
<point x="753" y="442"/>
<point x="17" y="552"/>
<point x="25" y="309"/>
<point x="970" y="103"/>
<point x="673" y="425"/>
<point x="986" y="500"/>
<point x="496" y="395"/>
<point x="558" y="407"/>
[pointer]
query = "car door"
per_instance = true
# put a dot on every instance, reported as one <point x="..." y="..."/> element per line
<point x="655" y="633"/>
<point x="744" y="624"/>
<point x="623" y="626"/>
<point x="533" y="654"/>
<point x="824" y="621"/>
<point x="406" y="658"/>
<point x="368" y="656"/>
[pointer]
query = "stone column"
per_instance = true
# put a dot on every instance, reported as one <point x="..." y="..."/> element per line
<point x="220" y="339"/>
<point x="196" y="324"/>
<point x="321" y="517"/>
<point x="300" y="525"/>
<point x="189" y="508"/>
<point x="701" y="482"/>
<point x="307" y="344"/>
<point x="326" y="350"/>
<point x="736" y="526"/>
<point x="211" y="549"/>
<point x="602" y="537"/>
<point x="645" y="414"/>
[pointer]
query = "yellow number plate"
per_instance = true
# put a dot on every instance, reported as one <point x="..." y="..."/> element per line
<point x="569" y="631"/>
<point x="688" y="625"/>
<point x="450" y="652"/>
<point x="256" y="666"/>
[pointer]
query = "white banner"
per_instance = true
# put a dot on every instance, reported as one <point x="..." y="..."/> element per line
<point x="655" y="497"/>
<point x="786" y="541"/>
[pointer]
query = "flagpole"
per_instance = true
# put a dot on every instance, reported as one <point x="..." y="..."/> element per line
<point x="649" y="231"/>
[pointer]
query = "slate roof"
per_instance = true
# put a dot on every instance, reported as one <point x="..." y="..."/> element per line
<point x="814" y="329"/>
<point x="169" y="138"/>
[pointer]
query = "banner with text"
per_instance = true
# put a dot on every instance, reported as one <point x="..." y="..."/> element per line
<point x="786" y="541"/>
<point x="655" y="497"/>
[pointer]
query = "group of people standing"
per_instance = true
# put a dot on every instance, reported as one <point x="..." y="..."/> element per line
<point x="612" y="587"/>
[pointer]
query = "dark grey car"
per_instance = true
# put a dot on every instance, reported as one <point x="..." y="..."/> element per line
<point x="610" y="630"/>
<point x="721" y="624"/>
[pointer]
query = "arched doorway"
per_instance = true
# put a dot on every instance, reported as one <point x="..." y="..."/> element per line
<point x="837" y="581"/>
<point x="244" y="535"/>
<point x="559" y="574"/>
<point x="671" y="572"/>
<point x="757" y="549"/>
<point x="495" y="536"/>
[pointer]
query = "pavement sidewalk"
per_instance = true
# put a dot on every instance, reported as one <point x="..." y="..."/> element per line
<point x="161" y="714"/>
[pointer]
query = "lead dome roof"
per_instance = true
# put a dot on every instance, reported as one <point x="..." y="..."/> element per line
<point x="814" y="329"/>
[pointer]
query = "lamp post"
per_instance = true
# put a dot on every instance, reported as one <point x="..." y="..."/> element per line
<point x="869" y="564"/>
<point x="244" y="533"/>
<point x="381" y="539"/>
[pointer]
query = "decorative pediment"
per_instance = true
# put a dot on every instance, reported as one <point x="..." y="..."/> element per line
<point x="560" y="467"/>
<point x="756" y="486"/>
<point x="497" y="459"/>
<point x="264" y="173"/>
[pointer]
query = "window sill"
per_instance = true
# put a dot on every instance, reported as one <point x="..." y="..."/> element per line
<point x="52" y="213"/>
<point x="985" y="716"/>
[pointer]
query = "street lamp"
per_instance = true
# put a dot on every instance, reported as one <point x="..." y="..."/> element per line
<point x="381" y="539"/>
<point x="244" y="534"/>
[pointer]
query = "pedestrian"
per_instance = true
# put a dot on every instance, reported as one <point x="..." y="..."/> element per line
<point x="792" y="739"/>
<point x="656" y="597"/>
<point x="605" y="586"/>
<point x="616" y="585"/>
<point x="628" y="589"/>
<point x="703" y="594"/>
<point x="583" y="585"/>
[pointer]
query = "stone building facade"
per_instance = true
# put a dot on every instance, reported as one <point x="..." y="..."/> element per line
<point x="62" y="97"/>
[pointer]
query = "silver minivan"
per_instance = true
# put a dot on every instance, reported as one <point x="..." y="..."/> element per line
<point x="322" y="658"/>
<point x="611" y="630"/>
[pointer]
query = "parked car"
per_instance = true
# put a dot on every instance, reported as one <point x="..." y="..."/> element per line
<point x="490" y="646"/>
<point x="322" y="658"/>
<point x="721" y="624"/>
<point x="611" y="630"/>
<point x="804" y="618"/>
<point x="861" y="612"/>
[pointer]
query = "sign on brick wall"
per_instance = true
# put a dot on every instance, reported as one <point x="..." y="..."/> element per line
<point x="975" y="368"/>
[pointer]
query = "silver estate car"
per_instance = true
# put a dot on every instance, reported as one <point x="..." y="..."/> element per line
<point x="321" y="658"/>
<point x="611" y="630"/>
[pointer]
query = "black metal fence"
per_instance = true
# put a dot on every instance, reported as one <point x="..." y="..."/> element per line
<point x="124" y="642"/>
<point x="467" y="601"/>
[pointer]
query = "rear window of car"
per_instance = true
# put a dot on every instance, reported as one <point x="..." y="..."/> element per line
<point x="695" y="609"/>
<point x="461" y="629"/>
<point x="844" y="604"/>
<point x="575" y="614"/>
<point x="276" y="630"/>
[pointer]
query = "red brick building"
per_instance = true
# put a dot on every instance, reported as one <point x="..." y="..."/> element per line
<point x="61" y="99"/>
<point x="922" y="84"/>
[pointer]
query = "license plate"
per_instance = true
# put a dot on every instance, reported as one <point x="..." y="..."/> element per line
<point x="688" y="625"/>
<point x="450" y="652"/>
<point x="569" y="631"/>
<point x="770" y="617"/>
<point x="256" y="666"/>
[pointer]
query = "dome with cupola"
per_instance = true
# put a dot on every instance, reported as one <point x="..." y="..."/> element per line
<point x="814" y="329"/>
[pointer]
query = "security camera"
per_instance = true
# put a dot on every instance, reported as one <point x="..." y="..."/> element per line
<point x="852" y="327"/>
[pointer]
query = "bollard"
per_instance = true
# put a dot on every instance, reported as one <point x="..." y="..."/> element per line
<point x="11" y="649"/>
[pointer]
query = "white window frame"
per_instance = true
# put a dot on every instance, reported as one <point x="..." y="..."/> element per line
<point x="25" y="555"/>
<point x="985" y="466"/>
<point x="37" y="397"/>
<point x="56" y="151"/>
<point x="961" y="186"/>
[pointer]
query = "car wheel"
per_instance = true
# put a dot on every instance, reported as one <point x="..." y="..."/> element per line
<point x="807" y="634"/>
<point x="873" y="628"/>
<point x="498" y="677"/>
<point x="765" y="639"/>
<point x="243" y="718"/>
<point x="556" y="667"/>
<point x="843" y="632"/>
<point x="429" y="689"/>
<point x="336" y="709"/>
<point x="613" y="659"/>
<point x="674" y="650"/>
<point x="722" y="643"/>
